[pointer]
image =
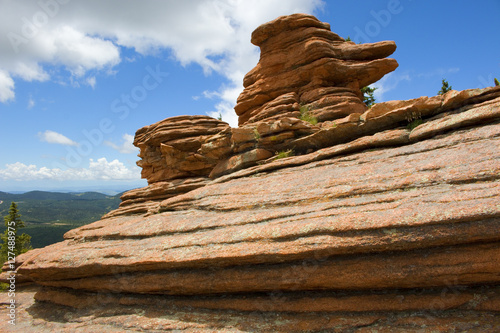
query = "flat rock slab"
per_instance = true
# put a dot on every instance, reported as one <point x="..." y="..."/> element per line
<point x="445" y="310"/>
<point x="439" y="193"/>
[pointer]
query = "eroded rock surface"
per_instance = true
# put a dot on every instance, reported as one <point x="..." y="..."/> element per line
<point x="303" y="63"/>
<point x="170" y="161"/>
<point x="388" y="219"/>
<point x="168" y="148"/>
<point x="306" y="75"/>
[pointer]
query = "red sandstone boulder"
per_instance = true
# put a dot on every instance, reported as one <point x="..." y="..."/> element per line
<point x="303" y="63"/>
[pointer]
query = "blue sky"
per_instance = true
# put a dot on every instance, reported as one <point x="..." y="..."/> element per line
<point x="78" y="78"/>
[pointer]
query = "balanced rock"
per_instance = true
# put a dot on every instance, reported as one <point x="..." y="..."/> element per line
<point x="303" y="63"/>
<point x="306" y="75"/>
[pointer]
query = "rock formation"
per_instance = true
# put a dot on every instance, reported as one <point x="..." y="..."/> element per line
<point x="303" y="63"/>
<point x="305" y="72"/>
<point x="170" y="161"/>
<point x="387" y="218"/>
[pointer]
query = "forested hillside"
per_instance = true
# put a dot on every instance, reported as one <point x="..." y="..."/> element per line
<point x="48" y="215"/>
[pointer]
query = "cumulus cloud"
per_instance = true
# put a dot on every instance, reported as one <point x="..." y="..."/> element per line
<point x="81" y="36"/>
<point x="57" y="138"/>
<point x="126" y="147"/>
<point x="97" y="170"/>
<point x="6" y="87"/>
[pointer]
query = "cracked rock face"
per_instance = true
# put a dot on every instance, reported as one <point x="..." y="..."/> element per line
<point x="389" y="219"/>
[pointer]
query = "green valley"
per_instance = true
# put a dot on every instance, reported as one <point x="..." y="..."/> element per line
<point x="48" y="215"/>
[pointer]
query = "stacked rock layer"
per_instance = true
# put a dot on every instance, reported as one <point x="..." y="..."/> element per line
<point x="306" y="76"/>
<point x="170" y="161"/>
<point x="304" y="64"/>
<point x="389" y="220"/>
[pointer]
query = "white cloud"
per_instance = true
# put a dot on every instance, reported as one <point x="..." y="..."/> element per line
<point x="126" y="147"/>
<point x="57" y="138"/>
<point x="97" y="170"/>
<point x="80" y="53"/>
<point x="225" y="111"/>
<point x="6" y="87"/>
<point x="81" y="36"/>
<point x="91" y="81"/>
<point x="31" y="103"/>
<point x="439" y="72"/>
<point x="387" y="83"/>
<point x="211" y="94"/>
<point x="30" y="71"/>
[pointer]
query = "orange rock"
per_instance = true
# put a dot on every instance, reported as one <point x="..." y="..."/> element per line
<point x="169" y="147"/>
<point x="381" y="223"/>
<point x="300" y="60"/>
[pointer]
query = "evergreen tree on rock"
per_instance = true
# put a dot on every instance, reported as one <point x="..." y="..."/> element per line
<point x="368" y="97"/>
<point x="13" y="244"/>
<point x="444" y="88"/>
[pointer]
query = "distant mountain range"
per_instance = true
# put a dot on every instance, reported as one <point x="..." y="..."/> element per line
<point x="48" y="215"/>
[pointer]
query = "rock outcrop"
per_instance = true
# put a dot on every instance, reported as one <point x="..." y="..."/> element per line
<point x="387" y="218"/>
<point x="170" y="161"/>
<point x="306" y="76"/>
<point x="303" y="63"/>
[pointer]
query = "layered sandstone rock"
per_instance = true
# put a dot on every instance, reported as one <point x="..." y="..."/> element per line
<point x="303" y="63"/>
<point x="236" y="148"/>
<point x="170" y="161"/>
<point x="389" y="220"/>
<point x="305" y="72"/>
<point x="168" y="148"/>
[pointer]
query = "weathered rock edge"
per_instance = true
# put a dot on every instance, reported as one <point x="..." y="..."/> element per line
<point x="367" y="202"/>
<point x="445" y="310"/>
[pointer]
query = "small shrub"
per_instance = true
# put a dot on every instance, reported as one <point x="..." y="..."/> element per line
<point x="348" y="39"/>
<point x="414" y="119"/>
<point x="411" y="126"/>
<point x="305" y="115"/>
<point x="284" y="153"/>
<point x="444" y="88"/>
<point x="496" y="82"/>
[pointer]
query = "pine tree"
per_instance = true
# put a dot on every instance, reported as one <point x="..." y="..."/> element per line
<point x="13" y="244"/>
<point x="496" y="82"/>
<point x="348" y="39"/>
<point x="368" y="97"/>
<point x="444" y="88"/>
